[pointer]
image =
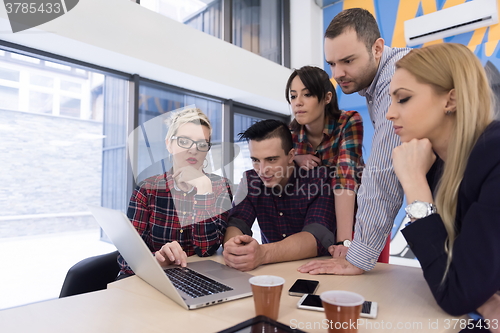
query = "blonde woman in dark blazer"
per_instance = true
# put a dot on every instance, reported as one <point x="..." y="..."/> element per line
<point x="449" y="167"/>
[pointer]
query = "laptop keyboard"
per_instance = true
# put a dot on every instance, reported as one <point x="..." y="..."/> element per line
<point x="193" y="283"/>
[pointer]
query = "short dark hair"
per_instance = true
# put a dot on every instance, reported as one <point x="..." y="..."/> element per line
<point x="268" y="129"/>
<point x="359" y="19"/>
<point x="318" y="83"/>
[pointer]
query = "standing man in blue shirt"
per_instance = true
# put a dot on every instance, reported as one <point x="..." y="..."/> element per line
<point x="360" y="62"/>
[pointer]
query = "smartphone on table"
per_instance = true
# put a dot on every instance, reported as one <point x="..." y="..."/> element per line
<point x="313" y="302"/>
<point x="302" y="286"/>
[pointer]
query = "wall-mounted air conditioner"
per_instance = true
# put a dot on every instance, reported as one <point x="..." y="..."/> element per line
<point x="451" y="21"/>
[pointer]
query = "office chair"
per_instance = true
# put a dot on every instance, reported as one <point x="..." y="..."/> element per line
<point x="90" y="274"/>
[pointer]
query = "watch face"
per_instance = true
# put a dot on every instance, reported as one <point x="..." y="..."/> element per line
<point x="419" y="210"/>
<point x="347" y="243"/>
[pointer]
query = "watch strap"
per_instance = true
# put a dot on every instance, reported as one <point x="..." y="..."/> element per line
<point x="345" y="243"/>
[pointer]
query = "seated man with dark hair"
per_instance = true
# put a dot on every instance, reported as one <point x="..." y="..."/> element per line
<point x="294" y="207"/>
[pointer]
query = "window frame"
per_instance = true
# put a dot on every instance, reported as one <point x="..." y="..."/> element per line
<point x="227" y="27"/>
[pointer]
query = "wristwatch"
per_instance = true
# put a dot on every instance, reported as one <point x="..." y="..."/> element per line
<point x="419" y="209"/>
<point x="346" y="243"/>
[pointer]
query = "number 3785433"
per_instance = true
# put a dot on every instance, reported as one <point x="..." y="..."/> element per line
<point x="32" y="8"/>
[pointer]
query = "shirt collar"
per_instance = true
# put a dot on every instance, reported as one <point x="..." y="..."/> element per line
<point x="330" y="124"/>
<point x="302" y="136"/>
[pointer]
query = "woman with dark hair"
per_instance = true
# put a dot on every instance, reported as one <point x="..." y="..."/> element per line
<point x="326" y="136"/>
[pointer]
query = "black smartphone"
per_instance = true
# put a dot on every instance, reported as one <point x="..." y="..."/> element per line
<point x="301" y="287"/>
<point x="313" y="302"/>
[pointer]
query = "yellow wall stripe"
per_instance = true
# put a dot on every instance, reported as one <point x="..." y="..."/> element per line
<point x="477" y="37"/>
<point x="429" y="6"/>
<point x="366" y="4"/>
<point x="405" y="12"/>
<point x="490" y="47"/>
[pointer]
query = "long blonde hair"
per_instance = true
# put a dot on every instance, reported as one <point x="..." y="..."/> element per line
<point x="445" y="67"/>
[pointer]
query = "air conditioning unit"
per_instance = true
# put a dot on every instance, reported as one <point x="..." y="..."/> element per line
<point x="451" y="21"/>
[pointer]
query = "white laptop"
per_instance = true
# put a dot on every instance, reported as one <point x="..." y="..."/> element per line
<point x="213" y="282"/>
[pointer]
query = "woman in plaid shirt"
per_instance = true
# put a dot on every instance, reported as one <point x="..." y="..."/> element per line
<point x="183" y="211"/>
<point x="325" y="136"/>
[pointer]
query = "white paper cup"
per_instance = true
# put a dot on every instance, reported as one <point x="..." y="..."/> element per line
<point x="342" y="309"/>
<point x="267" y="294"/>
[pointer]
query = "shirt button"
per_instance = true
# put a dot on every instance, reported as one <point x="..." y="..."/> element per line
<point x="373" y="261"/>
<point x="281" y="213"/>
<point x="183" y="213"/>
<point x="284" y="235"/>
<point x="195" y="202"/>
<point x="184" y="194"/>
<point x="279" y="195"/>
<point x="370" y="102"/>
<point x="181" y="231"/>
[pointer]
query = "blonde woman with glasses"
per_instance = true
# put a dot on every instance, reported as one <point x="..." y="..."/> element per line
<point x="449" y="167"/>
<point x="183" y="211"/>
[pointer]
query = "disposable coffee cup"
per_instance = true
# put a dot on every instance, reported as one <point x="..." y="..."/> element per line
<point x="342" y="309"/>
<point x="267" y="294"/>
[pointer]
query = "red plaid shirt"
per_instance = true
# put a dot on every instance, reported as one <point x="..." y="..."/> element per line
<point x="341" y="148"/>
<point x="161" y="213"/>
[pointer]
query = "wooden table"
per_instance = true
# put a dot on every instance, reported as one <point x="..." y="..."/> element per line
<point x="131" y="305"/>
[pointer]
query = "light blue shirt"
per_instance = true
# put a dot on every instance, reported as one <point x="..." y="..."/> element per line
<point x="380" y="195"/>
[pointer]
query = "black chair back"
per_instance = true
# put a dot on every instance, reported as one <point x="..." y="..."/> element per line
<point x="91" y="274"/>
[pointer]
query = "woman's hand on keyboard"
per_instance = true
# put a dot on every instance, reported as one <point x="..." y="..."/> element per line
<point x="171" y="253"/>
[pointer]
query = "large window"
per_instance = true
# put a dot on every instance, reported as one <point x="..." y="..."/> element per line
<point x="59" y="122"/>
<point x="259" y="26"/>
<point x="204" y="15"/>
<point x="63" y="129"/>
<point x="41" y="86"/>
<point x="208" y="19"/>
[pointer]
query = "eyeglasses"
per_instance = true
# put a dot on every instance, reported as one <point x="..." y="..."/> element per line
<point x="187" y="143"/>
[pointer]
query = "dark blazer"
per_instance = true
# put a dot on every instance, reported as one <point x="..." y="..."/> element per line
<point x="474" y="274"/>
